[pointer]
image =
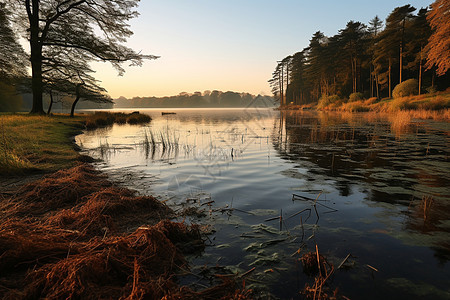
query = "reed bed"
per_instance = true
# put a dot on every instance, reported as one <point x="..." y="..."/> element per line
<point x="163" y="141"/>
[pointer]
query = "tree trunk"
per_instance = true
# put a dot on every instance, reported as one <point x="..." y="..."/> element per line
<point x="77" y="92"/>
<point x="401" y="63"/>
<point x="281" y="89"/>
<point x="401" y="49"/>
<point x="51" y="103"/>
<point x="390" y="89"/>
<point x="420" y="72"/>
<point x="371" y="80"/>
<point x="378" y="89"/>
<point x="36" y="60"/>
<point x="282" y="86"/>
<point x="353" y="74"/>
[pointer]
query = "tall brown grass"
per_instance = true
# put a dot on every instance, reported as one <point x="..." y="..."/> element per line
<point x="426" y="106"/>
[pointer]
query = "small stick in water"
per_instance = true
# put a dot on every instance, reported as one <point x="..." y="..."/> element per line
<point x="343" y="262"/>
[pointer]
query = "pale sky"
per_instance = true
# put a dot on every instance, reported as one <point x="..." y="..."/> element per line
<point x="228" y="45"/>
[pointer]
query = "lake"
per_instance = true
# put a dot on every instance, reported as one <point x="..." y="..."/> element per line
<point x="374" y="186"/>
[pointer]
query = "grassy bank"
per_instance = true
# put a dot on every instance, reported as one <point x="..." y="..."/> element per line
<point x="425" y="106"/>
<point x="37" y="143"/>
<point x="30" y="143"/>
<point x="74" y="234"/>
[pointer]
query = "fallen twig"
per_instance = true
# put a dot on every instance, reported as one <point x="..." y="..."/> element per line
<point x="248" y="272"/>
<point x="373" y="268"/>
<point x="343" y="262"/>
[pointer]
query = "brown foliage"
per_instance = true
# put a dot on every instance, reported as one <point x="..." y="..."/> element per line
<point x="439" y="42"/>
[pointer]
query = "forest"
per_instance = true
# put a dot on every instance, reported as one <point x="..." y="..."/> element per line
<point x="366" y="61"/>
<point x="206" y="99"/>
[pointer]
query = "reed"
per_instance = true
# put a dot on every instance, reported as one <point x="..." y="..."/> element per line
<point x="425" y="204"/>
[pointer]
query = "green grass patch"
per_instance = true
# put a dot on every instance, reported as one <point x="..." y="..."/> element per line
<point x="37" y="143"/>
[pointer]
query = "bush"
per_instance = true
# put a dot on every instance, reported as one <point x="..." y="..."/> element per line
<point x="325" y="101"/>
<point x="102" y="119"/>
<point x="355" y="97"/>
<point x="406" y="88"/>
<point x="138" y="118"/>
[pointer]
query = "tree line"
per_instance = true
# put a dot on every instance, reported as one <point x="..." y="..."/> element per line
<point x="206" y="99"/>
<point x="65" y="36"/>
<point x="370" y="59"/>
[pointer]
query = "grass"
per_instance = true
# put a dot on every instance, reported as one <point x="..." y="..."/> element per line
<point x="37" y="143"/>
<point x="30" y="143"/>
<point x="427" y="106"/>
<point x="427" y="102"/>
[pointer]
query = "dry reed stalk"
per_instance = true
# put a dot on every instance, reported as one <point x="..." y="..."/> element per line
<point x="426" y="203"/>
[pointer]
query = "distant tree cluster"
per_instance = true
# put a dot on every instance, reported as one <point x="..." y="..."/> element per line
<point x="370" y="60"/>
<point x="198" y="99"/>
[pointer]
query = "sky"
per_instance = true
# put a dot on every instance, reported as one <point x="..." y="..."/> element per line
<point x="228" y="45"/>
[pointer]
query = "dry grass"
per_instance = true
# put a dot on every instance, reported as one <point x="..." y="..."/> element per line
<point x="315" y="264"/>
<point x="67" y="236"/>
<point x="400" y="122"/>
<point x="427" y="106"/>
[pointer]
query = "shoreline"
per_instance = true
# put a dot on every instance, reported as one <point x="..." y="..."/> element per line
<point x="74" y="233"/>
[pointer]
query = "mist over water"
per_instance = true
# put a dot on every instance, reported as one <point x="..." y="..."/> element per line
<point x="375" y="187"/>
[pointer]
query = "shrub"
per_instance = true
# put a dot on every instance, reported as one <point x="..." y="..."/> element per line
<point x="102" y="119"/>
<point x="357" y="106"/>
<point x="138" y="118"/>
<point x="355" y="97"/>
<point x="406" y="88"/>
<point x="325" y="101"/>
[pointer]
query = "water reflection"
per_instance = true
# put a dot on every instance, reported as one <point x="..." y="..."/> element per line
<point x="394" y="159"/>
<point x="383" y="184"/>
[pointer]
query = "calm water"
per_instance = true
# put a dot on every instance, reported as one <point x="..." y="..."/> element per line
<point x="381" y="184"/>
